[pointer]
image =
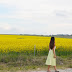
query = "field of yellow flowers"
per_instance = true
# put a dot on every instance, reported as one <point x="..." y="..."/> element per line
<point x="26" y="44"/>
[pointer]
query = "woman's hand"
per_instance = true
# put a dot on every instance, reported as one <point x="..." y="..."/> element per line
<point x="54" y="56"/>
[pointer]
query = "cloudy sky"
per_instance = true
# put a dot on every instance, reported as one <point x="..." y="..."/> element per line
<point x="36" y="17"/>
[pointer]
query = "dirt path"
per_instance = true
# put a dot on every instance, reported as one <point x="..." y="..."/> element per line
<point x="60" y="70"/>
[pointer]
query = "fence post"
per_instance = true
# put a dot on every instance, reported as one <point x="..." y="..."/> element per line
<point x="34" y="49"/>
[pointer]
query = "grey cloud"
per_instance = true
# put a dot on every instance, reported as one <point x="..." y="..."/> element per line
<point x="59" y="14"/>
<point x="63" y="13"/>
<point x="11" y="31"/>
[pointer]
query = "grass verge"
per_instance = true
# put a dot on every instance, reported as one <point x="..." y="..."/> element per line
<point x="18" y="61"/>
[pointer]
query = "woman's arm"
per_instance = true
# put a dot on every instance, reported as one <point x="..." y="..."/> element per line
<point x="54" y="52"/>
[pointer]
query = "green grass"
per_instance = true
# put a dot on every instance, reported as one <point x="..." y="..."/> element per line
<point x="19" y="61"/>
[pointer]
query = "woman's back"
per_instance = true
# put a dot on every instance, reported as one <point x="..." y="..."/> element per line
<point x="54" y="48"/>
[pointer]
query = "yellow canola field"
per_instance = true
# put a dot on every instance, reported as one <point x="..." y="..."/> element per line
<point x="24" y="43"/>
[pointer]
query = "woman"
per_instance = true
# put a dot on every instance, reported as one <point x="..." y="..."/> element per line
<point x="51" y="58"/>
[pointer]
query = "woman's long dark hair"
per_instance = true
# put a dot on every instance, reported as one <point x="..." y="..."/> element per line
<point x="51" y="44"/>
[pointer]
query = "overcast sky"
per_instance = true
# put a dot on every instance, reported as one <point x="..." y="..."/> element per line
<point x="36" y="17"/>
